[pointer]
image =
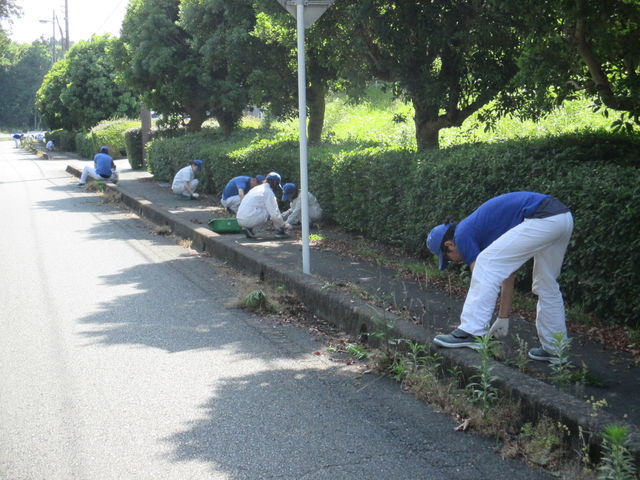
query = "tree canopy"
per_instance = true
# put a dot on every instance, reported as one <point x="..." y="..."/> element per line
<point x="221" y="33"/>
<point x="83" y="89"/>
<point x="199" y="59"/>
<point x="20" y="77"/>
<point x="157" y="60"/>
<point x="574" y="46"/>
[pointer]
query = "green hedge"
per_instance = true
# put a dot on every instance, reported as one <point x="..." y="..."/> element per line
<point x="109" y="133"/>
<point x="396" y="195"/>
<point x="64" y="140"/>
<point x="133" y="144"/>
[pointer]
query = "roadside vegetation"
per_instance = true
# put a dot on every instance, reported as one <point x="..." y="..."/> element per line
<point x="473" y="400"/>
<point x="403" y="136"/>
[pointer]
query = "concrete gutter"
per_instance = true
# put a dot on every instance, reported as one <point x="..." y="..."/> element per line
<point x="356" y="317"/>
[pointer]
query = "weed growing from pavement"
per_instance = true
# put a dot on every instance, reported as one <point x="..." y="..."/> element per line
<point x="256" y="301"/>
<point x="543" y="443"/>
<point x="521" y="359"/>
<point x="617" y="462"/>
<point x="356" y="351"/>
<point x="162" y="230"/>
<point x="561" y="370"/>
<point x="483" y="390"/>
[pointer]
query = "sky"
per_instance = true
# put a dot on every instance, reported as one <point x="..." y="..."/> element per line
<point x="86" y="17"/>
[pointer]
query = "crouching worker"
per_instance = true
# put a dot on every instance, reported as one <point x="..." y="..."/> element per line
<point x="185" y="181"/>
<point x="235" y="191"/>
<point x="496" y="240"/>
<point x="260" y="205"/>
<point x="104" y="168"/>
<point x="293" y="216"/>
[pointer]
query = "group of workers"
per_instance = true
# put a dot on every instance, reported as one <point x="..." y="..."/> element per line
<point x="253" y="199"/>
<point x="494" y="241"/>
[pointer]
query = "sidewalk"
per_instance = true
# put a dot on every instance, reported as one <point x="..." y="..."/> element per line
<point x="613" y="375"/>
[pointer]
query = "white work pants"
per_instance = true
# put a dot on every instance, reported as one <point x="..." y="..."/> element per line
<point x="90" y="172"/>
<point x="232" y="203"/>
<point x="259" y="217"/>
<point x="544" y="239"/>
<point x="179" y="189"/>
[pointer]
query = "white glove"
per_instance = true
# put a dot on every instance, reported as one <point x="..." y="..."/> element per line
<point x="287" y="227"/>
<point x="195" y="195"/>
<point x="500" y="327"/>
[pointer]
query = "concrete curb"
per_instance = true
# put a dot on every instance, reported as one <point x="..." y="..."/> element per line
<point x="356" y="317"/>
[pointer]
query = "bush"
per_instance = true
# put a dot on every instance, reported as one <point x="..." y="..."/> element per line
<point x="241" y="153"/>
<point x="396" y="195"/>
<point x="109" y="133"/>
<point x="64" y="140"/>
<point x="133" y="143"/>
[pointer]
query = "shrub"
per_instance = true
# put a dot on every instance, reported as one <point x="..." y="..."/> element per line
<point x="396" y="195"/>
<point x="133" y="144"/>
<point x="109" y="133"/>
<point x="64" y="140"/>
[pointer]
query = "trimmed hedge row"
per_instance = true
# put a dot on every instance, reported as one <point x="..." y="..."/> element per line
<point x="110" y="133"/>
<point x="64" y="140"/>
<point x="133" y="144"/>
<point x="396" y="195"/>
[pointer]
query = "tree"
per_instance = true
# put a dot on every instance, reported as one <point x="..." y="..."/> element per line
<point x="220" y="32"/>
<point x="331" y="62"/>
<point x="82" y="90"/>
<point x="578" y="45"/>
<point x="49" y="97"/>
<point x="8" y="8"/>
<point x="20" y="78"/>
<point x="156" y="59"/>
<point x="448" y="57"/>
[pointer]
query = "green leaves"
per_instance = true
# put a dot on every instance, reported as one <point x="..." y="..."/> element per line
<point x="83" y="89"/>
<point x="21" y="72"/>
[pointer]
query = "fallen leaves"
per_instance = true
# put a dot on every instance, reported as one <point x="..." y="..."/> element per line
<point x="462" y="427"/>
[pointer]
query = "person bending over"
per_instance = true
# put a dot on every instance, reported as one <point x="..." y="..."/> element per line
<point x="496" y="240"/>
<point x="293" y="215"/>
<point x="260" y="205"/>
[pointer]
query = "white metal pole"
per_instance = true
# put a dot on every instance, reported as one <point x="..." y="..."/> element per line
<point x="302" y="113"/>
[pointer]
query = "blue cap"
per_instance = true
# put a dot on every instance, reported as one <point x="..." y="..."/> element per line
<point x="198" y="163"/>
<point x="434" y="243"/>
<point x="260" y="178"/>
<point x="288" y="189"/>
<point x="104" y="149"/>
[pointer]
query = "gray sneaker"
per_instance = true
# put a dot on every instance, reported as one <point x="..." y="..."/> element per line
<point x="457" y="339"/>
<point x="249" y="233"/>
<point x="280" y="233"/>
<point x="542" y="355"/>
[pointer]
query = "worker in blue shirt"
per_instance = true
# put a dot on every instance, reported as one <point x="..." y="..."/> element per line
<point x="496" y="240"/>
<point x="235" y="190"/>
<point x="104" y="168"/>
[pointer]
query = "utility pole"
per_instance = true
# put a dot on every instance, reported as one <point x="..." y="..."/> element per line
<point x="306" y="13"/>
<point x="53" y="38"/>
<point x="66" y="25"/>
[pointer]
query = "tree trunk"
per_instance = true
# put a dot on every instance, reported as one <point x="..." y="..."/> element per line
<point x="428" y="125"/>
<point x="227" y="122"/>
<point x="316" y="96"/>
<point x="197" y="118"/>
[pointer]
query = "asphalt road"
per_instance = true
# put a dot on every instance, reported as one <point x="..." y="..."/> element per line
<point x="121" y="357"/>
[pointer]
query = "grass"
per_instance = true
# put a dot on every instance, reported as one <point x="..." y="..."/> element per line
<point x="381" y="118"/>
